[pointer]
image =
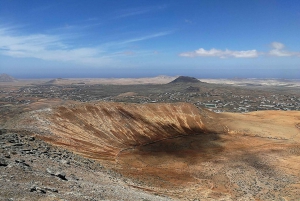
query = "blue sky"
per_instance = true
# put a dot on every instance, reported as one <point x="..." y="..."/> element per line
<point x="139" y="38"/>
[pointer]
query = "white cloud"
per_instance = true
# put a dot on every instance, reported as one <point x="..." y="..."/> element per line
<point x="244" y="54"/>
<point x="278" y="50"/>
<point x="280" y="53"/>
<point x="220" y="53"/>
<point x="277" y="45"/>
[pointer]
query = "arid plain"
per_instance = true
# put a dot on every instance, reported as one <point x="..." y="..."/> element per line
<point x="184" y="140"/>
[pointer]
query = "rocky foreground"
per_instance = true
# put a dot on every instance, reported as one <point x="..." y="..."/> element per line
<point x="31" y="169"/>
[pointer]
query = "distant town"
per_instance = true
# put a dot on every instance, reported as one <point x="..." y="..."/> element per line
<point x="217" y="98"/>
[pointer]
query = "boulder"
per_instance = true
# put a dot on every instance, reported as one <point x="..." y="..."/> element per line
<point x="58" y="174"/>
<point x="3" y="162"/>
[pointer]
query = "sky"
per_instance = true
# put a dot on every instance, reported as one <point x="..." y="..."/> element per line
<point x="141" y="38"/>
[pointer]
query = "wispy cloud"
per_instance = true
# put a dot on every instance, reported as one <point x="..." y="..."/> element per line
<point x="188" y="21"/>
<point x="77" y="27"/>
<point x="137" y="11"/>
<point x="132" y="12"/>
<point x="277" y="51"/>
<point x="46" y="47"/>
<point x="128" y="53"/>
<point x="44" y="7"/>
<point x="159" y="34"/>
<point x="220" y="53"/>
<point x="56" y="47"/>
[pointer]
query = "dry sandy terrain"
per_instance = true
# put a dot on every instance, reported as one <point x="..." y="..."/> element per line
<point x="179" y="150"/>
<point x="152" y="80"/>
<point x="255" y="82"/>
<point x="90" y="81"/>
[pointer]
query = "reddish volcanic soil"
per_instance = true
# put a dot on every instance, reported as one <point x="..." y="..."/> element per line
<point x="179" y="150"/>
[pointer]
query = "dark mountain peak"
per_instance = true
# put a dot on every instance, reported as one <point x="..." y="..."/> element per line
<point x="185" y="79"/>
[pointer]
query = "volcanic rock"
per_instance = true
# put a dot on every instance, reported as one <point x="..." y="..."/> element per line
<point x="92" y="181"/>
<point x="38" y="189"/>
<point x="3" y="162"/>
<point x="59" y="174"/>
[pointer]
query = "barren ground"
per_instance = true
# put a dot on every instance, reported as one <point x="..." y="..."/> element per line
<point x="55" y="149"/>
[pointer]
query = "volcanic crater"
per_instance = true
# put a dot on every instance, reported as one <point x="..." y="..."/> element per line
<point x="178" y="149"/>
<point x="106" y="129"/>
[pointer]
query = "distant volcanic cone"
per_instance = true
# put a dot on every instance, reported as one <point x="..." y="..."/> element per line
<point x="185" y="79"/>
<point x="6" y="78"/>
